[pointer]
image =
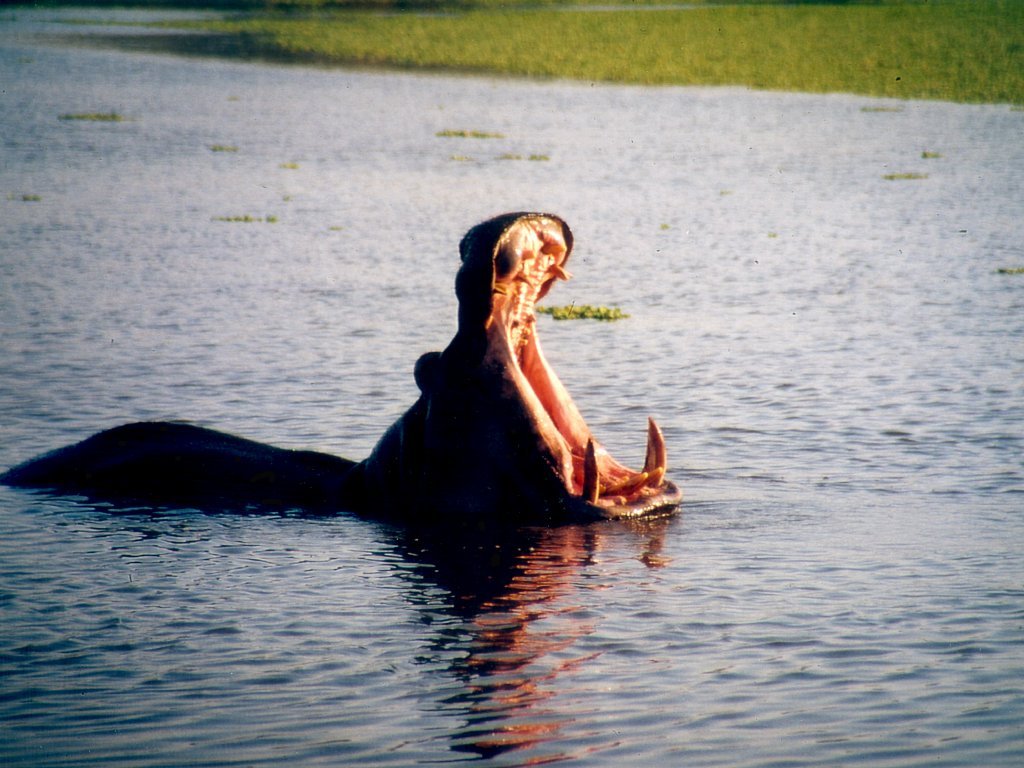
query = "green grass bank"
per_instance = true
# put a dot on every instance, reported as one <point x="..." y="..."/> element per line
<point x="956" y="50"/>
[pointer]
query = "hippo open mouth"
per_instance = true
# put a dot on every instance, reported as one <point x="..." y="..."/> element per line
<point x="526" y="260"/>
<point x="495" y="432"/>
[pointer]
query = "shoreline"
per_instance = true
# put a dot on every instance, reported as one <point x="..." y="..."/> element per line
<point x="888" y="50"/>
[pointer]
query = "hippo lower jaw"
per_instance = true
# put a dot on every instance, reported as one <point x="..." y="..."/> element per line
<point x="529" y="258"/>
<point x="596" y="483"/>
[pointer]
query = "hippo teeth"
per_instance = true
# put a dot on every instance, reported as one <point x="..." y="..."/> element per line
<point x="657" y="457"/>
<point x="631" y="483"/>
<point x="591" y="484"/>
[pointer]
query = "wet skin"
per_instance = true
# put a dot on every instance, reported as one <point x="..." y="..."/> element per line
<point x="494" y="432"/>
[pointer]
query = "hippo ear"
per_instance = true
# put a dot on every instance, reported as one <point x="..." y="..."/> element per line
<point x="427" y="371"/>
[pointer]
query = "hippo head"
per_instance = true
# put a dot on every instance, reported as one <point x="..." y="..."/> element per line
<point x="495" y="432"/>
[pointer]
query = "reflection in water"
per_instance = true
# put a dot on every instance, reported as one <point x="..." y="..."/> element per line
<point x="514" y="592"/>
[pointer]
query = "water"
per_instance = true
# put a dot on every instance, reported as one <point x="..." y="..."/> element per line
<point x="833" y="356"/>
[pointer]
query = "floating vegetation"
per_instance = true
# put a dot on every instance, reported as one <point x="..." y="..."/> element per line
<point x="1010" y="271"/>
<point x="247" y="219"/>
<point x="25" y="198"/>
<point x="665" y="226"/>
<point x="532" y="158"/>
<point x="452" y="134"/>
<point x="289" y="166"/>
<point x="583" y="312"/>
<point x="95" y="117"/>
<point x="335" y="229"/>
<point x="930" y="155"/>
<point x="461" y="158"/>
<point x="773" y="235"/>
<point x="223" y="148"/>
<point x="881" y="109"/>
<point x="904" y="176"/>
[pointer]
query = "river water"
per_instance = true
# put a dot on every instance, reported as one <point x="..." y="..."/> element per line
<point x="835" y="358"/>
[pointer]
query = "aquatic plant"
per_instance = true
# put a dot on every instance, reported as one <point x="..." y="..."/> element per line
<point x="451" y="133"/>
<point x="246" y="219"/>
<point x="223" y="148"/>
<point x="583" y="312"/>
<point x="930" y="155"/>
<point x="531" y="158"/>
<point x="1010" y="270"/>
<point x="289" y="166"/>
<point x="904" y="176"/>
<point x="25" y="198"/>
<point x="95" y="117"/>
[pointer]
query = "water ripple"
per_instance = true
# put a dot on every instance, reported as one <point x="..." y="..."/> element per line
<point x="830" y="357"/>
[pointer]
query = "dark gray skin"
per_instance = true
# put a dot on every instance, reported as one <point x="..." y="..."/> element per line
<point x="172" y="464"/>
<point x="477" y="442"/>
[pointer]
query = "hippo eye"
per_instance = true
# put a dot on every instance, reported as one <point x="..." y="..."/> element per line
<point x="506" y="261"/>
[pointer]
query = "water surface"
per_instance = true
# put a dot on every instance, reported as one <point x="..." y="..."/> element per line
<point x="834" y="357"/>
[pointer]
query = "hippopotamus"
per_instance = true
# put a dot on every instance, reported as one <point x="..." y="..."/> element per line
<point x="494" y="433"/>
